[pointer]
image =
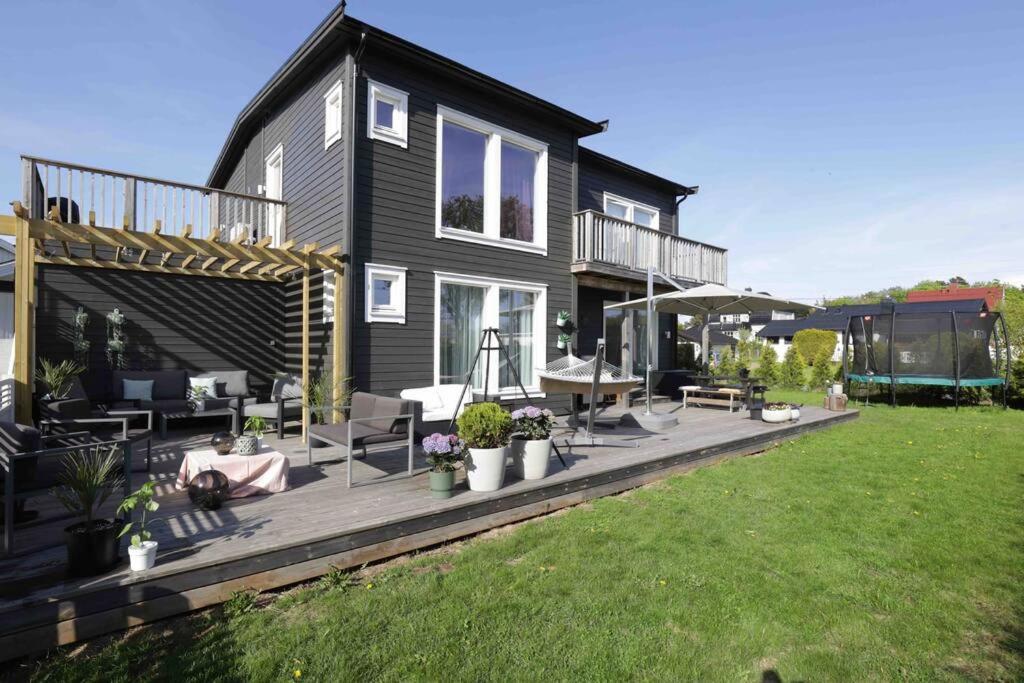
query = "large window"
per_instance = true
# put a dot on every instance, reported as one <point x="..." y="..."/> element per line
<point x="468" y="305"/>
<point x="492" y="184"/>
<point x="629" y="210"/>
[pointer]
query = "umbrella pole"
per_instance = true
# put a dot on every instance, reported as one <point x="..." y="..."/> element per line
<point x="651" y="327"/>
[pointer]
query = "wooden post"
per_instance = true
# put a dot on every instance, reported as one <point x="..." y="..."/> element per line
<point x="305" y="351"/>
<point x="339" y="346"/>
<point x="24" y="321"/>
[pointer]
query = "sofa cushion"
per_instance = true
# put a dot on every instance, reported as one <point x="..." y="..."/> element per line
<point x="229" y="382"/>
<point x="137" y="389"/>
<point x="286" y="386"/>
<point x="269" y="410"/>
<point x="430" y="397"/>
<point x="362" y="405"/>
<point x="386" y="406"/>
<point x="362" y="433"/>
<point x="202" y="388"/>
<point x="167" y="384"/>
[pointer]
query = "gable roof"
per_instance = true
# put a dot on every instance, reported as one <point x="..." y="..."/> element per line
<point x="835" y="317"/>
<point x="715" y="338"/>
<point x="588" y="155"/>
<point x="338" y="29"/>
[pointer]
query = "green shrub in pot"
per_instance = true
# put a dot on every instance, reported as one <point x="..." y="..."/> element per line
<point x="486" y="429"/>
<point x="87" y="480"/>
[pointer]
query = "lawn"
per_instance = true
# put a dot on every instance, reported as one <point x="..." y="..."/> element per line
<point x="887" y="548"/>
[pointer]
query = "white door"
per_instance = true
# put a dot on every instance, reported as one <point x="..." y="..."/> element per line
<point x="275" y="187"/>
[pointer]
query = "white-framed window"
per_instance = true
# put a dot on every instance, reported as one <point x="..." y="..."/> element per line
<point x="274" y="189"/>
<point x="466" y="305"/>
<point x="632" y="211"/>
<point x="332" y="115"/>
<point x="492" y="184"/>
<point x="387" y="115"/>
<point x="385" y="293"/>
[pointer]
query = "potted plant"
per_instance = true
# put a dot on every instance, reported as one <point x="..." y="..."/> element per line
<point x="249" y="443"/>
<point x="444" y="453"/>
<point x="563" y="319"/>
<point x="88" y="478"/>
<point x="563" y="341"/>
<point x="58" y="378"/>
<point x="485" y="428"/>
<point x="776" y="412"/>
<point x="531" y="442"/>
<point x="142" y="551"/>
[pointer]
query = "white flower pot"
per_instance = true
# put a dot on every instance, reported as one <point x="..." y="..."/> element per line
<point x="530" y="458"/>
<point x="143" y="557"/>
<point x="837" y="389"/>
<point x="485" y="468"/>
<point x="776" y="416"/>
<point x="560" y="321"/>
<point x="561" y="345"/>
<point x="794" y="413"/>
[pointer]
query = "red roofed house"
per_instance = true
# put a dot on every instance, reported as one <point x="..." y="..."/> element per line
<point x="993" y="296"/>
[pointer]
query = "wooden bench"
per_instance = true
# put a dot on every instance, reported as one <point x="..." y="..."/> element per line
<point x="711" y="396"/>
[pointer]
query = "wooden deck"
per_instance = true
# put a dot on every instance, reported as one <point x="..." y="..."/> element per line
<point x="266" y="542"/>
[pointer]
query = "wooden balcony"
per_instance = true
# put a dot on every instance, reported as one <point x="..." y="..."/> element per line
<point x="110" y="199"/>
<point x="605" y="245"/>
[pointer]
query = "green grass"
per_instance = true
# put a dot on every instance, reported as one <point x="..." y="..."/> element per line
<point x="887" y="548"/>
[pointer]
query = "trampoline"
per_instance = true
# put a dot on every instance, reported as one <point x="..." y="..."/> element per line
<point x="945" y="348"/>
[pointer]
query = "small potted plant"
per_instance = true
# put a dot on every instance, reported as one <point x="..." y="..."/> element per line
<point x="563" y="319"/>
<point x="142" y="551"/>
<point x="444" y="453"/>
<point x="563" y="341"/>
<point x="485" y="428"/>
<point x="531" y="442"/>
<point x="249" y="442"/>
<point x="776" y="412"/>
<point x="88" y="478"/>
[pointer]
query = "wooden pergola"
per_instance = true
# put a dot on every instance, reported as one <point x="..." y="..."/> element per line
<point x="52" y="242"/>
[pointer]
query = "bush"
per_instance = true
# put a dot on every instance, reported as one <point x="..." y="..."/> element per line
<point x="822" y="373"/>
<point x="726" y="366"/>
<point x="812" y="343"/>
<point x="485" y="425"/>
<point x="792" y="375"/>
<point x="768" y="367"/>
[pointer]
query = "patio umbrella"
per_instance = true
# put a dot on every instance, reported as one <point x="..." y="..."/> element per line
<point x="708" y="299"/>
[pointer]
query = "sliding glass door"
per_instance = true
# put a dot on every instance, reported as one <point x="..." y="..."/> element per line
<point x="461" y="312"/>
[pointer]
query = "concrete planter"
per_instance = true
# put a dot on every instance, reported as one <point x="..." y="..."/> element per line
<point x="777" y="415"/>
<point x="485" y="468"/>
<point x="530" y="458"/>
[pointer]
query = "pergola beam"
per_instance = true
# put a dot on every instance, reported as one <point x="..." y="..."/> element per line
<point x="149" y="268"/>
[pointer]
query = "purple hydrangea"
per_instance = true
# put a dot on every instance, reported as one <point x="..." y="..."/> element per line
<point x="532" y="422"/>
<point x="443" y="451"/>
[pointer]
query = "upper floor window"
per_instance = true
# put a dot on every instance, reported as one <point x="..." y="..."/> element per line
<point x="332" y="115"/>
<point x="629" y="210"/>
<point x="385" y="293"/>
<point x="387" y="116"/>
<point x="491" y="184"/>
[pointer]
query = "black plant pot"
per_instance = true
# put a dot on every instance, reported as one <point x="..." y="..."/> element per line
<point x="92" y="551"/>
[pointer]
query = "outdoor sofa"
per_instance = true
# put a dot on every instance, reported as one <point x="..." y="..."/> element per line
<point x="285" y="404"/>
<point x="440" y="404"/>
<point x="371" y="419"/>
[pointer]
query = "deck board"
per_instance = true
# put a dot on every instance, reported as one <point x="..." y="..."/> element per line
<point x="319" y="519"/>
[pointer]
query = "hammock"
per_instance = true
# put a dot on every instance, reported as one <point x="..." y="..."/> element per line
<point x="572" y="375"/>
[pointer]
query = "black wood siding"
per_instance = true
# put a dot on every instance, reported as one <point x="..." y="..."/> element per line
<point x="395" y="216"/>
<point x="172" y="321"/>
<point x="596" y="179"/>
<point x="590" y="302"/>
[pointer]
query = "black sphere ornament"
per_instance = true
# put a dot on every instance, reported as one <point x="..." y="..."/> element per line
<point x="223" y="442"/>
<point x="208" y="489"/>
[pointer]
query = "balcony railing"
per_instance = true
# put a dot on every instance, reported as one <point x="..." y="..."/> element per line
<point x="599" y="238"/>
<point x="109" y="199"/>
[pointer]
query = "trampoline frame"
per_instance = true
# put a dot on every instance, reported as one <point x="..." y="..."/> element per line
<point x="894" y="378"/>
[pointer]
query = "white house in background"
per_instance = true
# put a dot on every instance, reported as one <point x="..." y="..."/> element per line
<point x="732" y="323"/>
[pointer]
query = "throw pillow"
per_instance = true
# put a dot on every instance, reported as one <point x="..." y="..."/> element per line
<point x="137" y="389"/>
<point x="202" y="388"/>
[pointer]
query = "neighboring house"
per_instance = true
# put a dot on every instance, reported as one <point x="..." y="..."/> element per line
<point x="461" y="202"/>
<point x="993" y="296"/>
<point x="780" y="333"/>
<point x="732" y="323"/>
<point x="717" y="341"/>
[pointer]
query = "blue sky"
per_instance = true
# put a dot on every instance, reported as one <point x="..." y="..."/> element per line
<point x="839" y="147"/>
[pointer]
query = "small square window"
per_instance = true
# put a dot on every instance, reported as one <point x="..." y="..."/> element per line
<point x="332" y="115"/>
<point x="385" y="293"/>
<point x="387" y="114"/>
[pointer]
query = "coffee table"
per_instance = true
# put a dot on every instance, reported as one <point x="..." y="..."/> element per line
<point x="248" y="475"/>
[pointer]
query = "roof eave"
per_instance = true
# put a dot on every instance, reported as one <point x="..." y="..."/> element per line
<point x="677" y="188"/>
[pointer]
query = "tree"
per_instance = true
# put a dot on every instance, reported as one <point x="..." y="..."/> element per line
<point x="727" y="364"/>
<point x="822" y="372"/>
<point x="746" y="348"/>
<point x="768" y="367"/>
<point x="812" y="343"/>
<point x="793" y="369"/>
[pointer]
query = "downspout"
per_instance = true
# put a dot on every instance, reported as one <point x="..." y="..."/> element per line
<point x="346" y="295"/>
<point x="693" y="190"/>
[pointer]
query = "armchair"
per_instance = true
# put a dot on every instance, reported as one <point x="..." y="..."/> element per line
<point x="285" y="404"/>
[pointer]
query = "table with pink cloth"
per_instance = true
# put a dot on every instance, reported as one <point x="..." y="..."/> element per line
<point x="248" y="475"/>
